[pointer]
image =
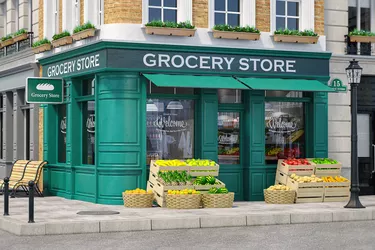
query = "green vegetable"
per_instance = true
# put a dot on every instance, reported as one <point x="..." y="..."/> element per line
<point x="289" y="32"/>
<point x="211" y="180"/>
<point x="82" y="27"/>
<point x="61" y="35"/>
<point x="357" y="32"/>
<point x="202" y="180"/>
<point x="213" y="190"/>
<point x="226" y="27"/>
<point x="222" y="191"/>
<point x="168" y="24"/>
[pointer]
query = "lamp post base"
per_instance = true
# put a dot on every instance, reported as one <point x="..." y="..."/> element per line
<point x="354" y="202"/>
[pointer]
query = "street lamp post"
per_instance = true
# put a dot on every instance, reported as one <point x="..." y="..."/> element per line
<point x="354" y="72"/>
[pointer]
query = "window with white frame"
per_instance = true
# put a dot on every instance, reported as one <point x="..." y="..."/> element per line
<point x="71" y="14"/>
<point x="164" y="10"/>
<point x="17" y="16"/>
<point x="3" y="19"/>
<point x="50" y="18"/>
<point x="227" y="12"/>
<point x="94" y="12"/>
<point x="56" y="22"/>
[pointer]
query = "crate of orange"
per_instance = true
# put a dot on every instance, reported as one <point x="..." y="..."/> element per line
<point x="139" y="198"/>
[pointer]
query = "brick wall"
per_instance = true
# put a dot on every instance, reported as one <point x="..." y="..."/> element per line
<point x="319" y="17"/>
<point x="125" y="11"/>
<point x="41" y="23"/>
<point x="82" y="12"/>
<point x="200" y="13"/>
<point x="263" y="11"/>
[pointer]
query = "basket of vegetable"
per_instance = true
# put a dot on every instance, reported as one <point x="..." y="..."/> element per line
<point x="183" y="199"/>
<point x="218" y="198"/>
<point x="138" y="198"/>
<point x="279" y="194"/>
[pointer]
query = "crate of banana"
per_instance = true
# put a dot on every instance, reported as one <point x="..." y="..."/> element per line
<point x="336" y="188"/>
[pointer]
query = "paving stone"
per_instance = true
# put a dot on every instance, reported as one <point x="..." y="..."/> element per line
<point x="268" y="219"/>
<point x="125" y="225"/>
<point x="175" y="223"/>
<point x="353" y="215"/>
<point x="223" y="221"/>
<point x="69" y="227"/>
<point x="311" y="217"/>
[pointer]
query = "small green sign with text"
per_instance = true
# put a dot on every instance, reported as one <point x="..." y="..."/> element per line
<point x="44" y="90"/>
<point x="337" y="85"/>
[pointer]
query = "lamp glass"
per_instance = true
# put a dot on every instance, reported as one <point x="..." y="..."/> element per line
<point x="354" y="72"/>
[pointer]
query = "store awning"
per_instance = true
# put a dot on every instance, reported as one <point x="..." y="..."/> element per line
<point x="285" y="84"/>
<point x="190" y="81"/>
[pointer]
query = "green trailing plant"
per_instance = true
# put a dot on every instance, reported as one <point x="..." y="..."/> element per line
<point x="357" y="32"/>
<point x="60" y="35"/>
<point x="168" y="24"/>
<point x="85" y="26"/>
<point x="20" y="32"/>
<point x="7" y="37"/>
<point x="41" y="42"/>
<point x="289" y="32"/>
<point x="226" y="27"/>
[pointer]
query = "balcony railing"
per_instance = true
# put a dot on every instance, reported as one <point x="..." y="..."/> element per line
<point x="351" y="48"/>
<point x="17" y="46"/>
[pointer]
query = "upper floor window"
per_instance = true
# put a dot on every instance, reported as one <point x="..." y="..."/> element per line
<point x="288" y="14"/>
<point x="93" y="12"/>
<point x="227" y="12"/>
<point x="165" y="10"/>
<point x="71" y="14"/>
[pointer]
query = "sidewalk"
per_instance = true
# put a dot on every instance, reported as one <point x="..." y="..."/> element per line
<point x="55" y="215"/>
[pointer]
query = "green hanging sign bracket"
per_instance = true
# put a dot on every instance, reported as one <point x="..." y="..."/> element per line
<point x="337" y="85"/>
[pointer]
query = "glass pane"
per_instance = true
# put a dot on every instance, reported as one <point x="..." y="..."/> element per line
<point x="229" y="95"/>
<point x="234" y="5"/>
<point x="352" y="21"/>
<point x="170" y="15"/>
<point x="88" y="132"/>
<point x="88" y="87"/>
<point x="293" y="23"/>
<point x="234" y="19"/>
<point x="170" y="129"/>
<point x="363" y="123"/>
<point x="280" y="23"/>
<point x="154" y="14"/>
<point x="220" y="5"/>
<point x="154" y="2"/>
<point x="228" y="137"/>
<point x="170" y="3"/>
<point x="365" y="19"/>
<point x="61" y="111"/>
<point x="278" y="93"/>
<point x="219" y="18"/>
<point x="293" y="9"/>
<point x="285" y="131"/>
<point x="280" y="8"/>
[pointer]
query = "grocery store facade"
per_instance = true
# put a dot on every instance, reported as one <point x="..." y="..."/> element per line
<point x="129" y="103"/>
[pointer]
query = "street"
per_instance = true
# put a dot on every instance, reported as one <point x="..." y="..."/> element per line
<point x="344" y="235"/>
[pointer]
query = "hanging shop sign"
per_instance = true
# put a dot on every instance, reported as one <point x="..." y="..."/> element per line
<point x="44" y="90"/>
<point x="338" y="85"/>
<point x="153" y="60"/>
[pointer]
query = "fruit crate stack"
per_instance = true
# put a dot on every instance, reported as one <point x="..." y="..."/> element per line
<point x="188" y="174"/>
<point x="288" y="167"/>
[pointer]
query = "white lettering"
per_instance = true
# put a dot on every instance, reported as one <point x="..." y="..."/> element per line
<point x="174" y="61"/>
<point x="204" y="62"/>
<point x="244" y="64"/>
<point x="49" y="73"/>
<point x="189" y="65"/>
<point x="269" y="65"/>
<point x="290" y="65"/>
<point x="279" y="64"/>
<point x="229" y="62"/>
<point x="79" y="65"/>
<point x="92" y="61"/>
<point x="163" y="58"/>
<point x="217" y="61"/>
<point x="149" y="63"/>
<point x="255" y="63"/>
<point x="97" y="64"/>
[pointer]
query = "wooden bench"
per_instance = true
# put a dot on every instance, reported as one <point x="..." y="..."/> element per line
<point x="16" y="173"/>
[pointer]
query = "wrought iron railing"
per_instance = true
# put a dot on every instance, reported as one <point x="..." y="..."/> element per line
<point x="17" y="46"/>
<point x="355" y="48"/>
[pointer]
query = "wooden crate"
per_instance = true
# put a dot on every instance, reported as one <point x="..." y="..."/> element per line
<point x="336" y="191"/>
<point x="158" y="198"/>
<point x="301" y="170"/>
<point x="202" y="170"/>
<point x="156" y="168"/>
<point x="280" y="178"/>
<point x="207" y="187"/>
<point x="307" y="192"/>
<point x="328" y="169"/>
<point x="153" y="178"/>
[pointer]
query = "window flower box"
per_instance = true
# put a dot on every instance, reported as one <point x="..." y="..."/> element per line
<point x="170" y="28"/>
<point x="20" y="35"/>
<point x="7" y="42"/>
<point x="235" y="33"/>
<point x="295" y="36"/>
<point x="62" y="39"/>
<point x="362" y="39"/>
<point x="42" y="48"/>
<point x="83" y="34"/>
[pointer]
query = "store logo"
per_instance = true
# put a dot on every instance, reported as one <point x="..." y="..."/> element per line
<point x="228" y="138"/>
<point x="90" y="124"/>
<point x="45" y="87"/>
<point x="277" y="125"/>
<point x="166" y="123"/>
<point x="63" y="125"/>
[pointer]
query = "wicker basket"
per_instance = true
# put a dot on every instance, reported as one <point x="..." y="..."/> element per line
<point x="183" y="201"/>
<point x="279" y="196"/>
<point x="218" y="200"/>
<point x="138" y="200"/>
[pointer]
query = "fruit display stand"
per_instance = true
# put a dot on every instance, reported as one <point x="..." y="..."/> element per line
<point x="336" y="189"/>
<point x="289" y="167"/>
<point x="280" y="178"/>
<point x="137" y="198"/>
<point x="326" y="167"/>
<point x="307" y="192"/>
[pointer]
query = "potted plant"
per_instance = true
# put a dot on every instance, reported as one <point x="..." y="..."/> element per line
<point x="83" y="31"/>
<point x="61" y="39"/>
<point x="170" y="28"/>
<point x="295" y="36"/>
<point x="6" y="40"/>
<point x="237" y="32"/>
<point x="41" y="46"/>
<point x="362" y="36"/>
<point x="20" y="35"/>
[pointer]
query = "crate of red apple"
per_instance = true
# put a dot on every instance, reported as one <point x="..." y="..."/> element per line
<point x="301" y="167"/>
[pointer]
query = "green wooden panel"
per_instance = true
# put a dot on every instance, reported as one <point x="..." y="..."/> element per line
<point x="86" y="177"/>
<point x="232" y="176"/>
<point x="124" y="159"/>
<point x="320" y="124"/>
<point x="58" y="180"/>
<point x="257" y="183"/>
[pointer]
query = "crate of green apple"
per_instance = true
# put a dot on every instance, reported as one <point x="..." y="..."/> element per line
<point x="326" y="166"/>
<point x="204" y="183"/>
<point x="302" y="167"/>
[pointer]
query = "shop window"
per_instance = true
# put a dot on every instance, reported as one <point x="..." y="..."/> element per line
<point x="164" y="10"/>
<point x="62" y="121"/>
<point x="365" y="24"/>
<point x="227" y="12"/>
<point x="88" y="132"/>
<point x="228" y="137"/>
<point x="287" y="14"/>
<point x="285" y="130"/>
<point x="153" y="89"/>
<point x="170" y="129"/>
<point x="229" y="95"/>
<point x="291" y="94"/>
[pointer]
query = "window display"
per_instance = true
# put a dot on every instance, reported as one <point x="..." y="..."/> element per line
<point x="61" y="110"/>
<point x="170" y="129"/>
<point x="228" y="138"/>
<point x="88" y="133"/>
<point x="285" y="131"/>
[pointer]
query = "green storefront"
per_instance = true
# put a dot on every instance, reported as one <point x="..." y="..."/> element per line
<point x="126" y="104"/>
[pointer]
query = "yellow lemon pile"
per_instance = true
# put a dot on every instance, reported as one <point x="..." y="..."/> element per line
<point x="138" y="191"/>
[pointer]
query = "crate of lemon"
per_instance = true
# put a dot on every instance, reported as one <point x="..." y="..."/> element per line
<point x="279" y="194"/>
<point x="183" y="199"/>
<point x="138" y="198"/>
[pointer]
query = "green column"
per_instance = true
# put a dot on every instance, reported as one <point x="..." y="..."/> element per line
<point x="319" y="121"/>
<point x="121" y="135"/>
